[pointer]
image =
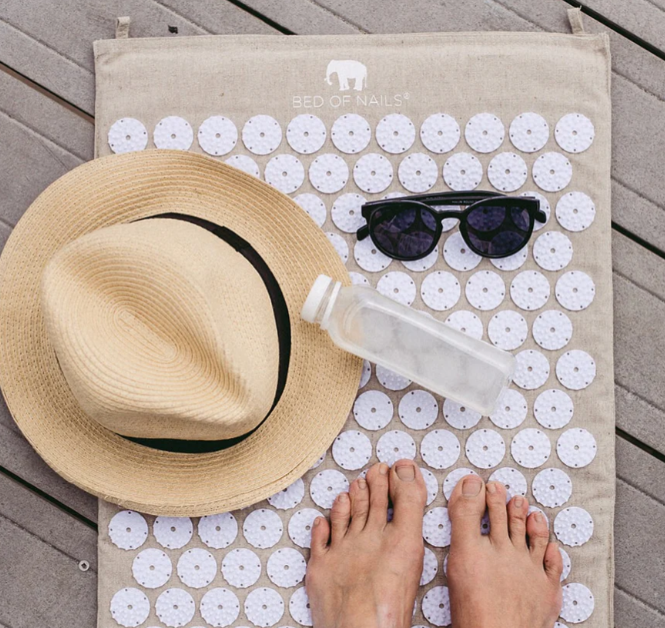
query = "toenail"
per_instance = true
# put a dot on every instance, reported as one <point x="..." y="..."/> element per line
<point x="471" y="486"/>
<point x="539" y="518"/>
<point x="383" y="468"/>
<point x="406" y="472"/>
<point x="518" y="502"/>
<point x="491" y="487"/>
<point x="362" y="484"/>
<point x="317" y="521"/>
<point x="343" y="498"/>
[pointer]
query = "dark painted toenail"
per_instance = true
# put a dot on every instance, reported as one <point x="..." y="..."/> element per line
<point x="406" y="472"/>
<point x="471" y="486"/>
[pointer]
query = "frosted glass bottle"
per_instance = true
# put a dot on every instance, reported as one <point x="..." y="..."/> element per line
<point x="411" y="343"/>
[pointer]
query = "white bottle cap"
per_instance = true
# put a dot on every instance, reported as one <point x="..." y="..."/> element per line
<point x="315" y="297"/>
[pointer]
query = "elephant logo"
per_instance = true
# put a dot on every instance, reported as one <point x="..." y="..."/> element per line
<point x="347" y="70"/>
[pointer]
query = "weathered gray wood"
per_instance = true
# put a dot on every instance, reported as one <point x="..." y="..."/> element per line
<point x="47" y="522"/>
<point x="639" y="542"/>
<point x="51" y="42"/>
<point x="304" y="17"/>
<point x="630" y="612"/>
<point x="644" y="18"/>
<point x="639" y="418"/>
<point x="42" y="586"/>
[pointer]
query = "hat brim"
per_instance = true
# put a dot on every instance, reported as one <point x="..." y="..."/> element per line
<point x="322" y="380"/>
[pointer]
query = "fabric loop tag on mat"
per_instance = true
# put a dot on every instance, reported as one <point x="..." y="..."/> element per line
<point x="575" y="19"/>
<point x="122" y="27"/>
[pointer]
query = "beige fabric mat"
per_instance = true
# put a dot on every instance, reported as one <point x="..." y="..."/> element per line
<point x="459" y="74"/>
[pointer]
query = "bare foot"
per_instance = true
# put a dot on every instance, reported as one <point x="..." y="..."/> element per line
<point x="498" y="581"/>
<point x="363" y="571"/>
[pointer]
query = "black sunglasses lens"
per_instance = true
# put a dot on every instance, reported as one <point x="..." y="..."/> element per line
<point x="404" y="230"/>
<point x="498" y="230"/>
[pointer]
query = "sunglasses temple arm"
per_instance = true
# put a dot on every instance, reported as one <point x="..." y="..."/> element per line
<point x="363" y="232"/>
<point x="541" y="216"/>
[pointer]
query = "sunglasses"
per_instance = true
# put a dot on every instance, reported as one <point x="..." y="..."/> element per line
<point x="492" y="224"/>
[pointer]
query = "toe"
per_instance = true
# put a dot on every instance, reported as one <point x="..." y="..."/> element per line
<point x="377" y="483"/>
<point x="466" y="508"/>
<point x="517" y="511"/>
<point x="320" y="536"/>
<point x="539" y="536"/>
<point x="553" y="563"/>
<point x="408" y="495"/>
<point x="498" y="513"/>
<point x="359" y="504"/>
<point x="340" y="516"/>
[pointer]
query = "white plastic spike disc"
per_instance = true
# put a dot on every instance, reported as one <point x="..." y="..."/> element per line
<point x="485" y="449"/>
<point x="573" y="526"/>
<point x="440" y="133"/>
<point x="552" y="487"/>
<point x="431" y="484"/>
<point x="574" y="132"/>
<point x="436" y="606"/>
<point x="130" y="607"/>
<point x="507" y="172"/>
<point x="513" y="480"/>
<point x="485" y="290"/>
<point x="285" y="172"/>
<point x="531" y="448"/>
<point x="219" y="607"/>
<point x="398" y="286"/>
<point x="440" y="290"/>
<point x="458" y="255"/>
<point x="544" y="205"/>
<point x="390" y="380"/>
<point x="172" y="532"/>
<point x="299" y="607"/>
<point x="553" y="250"/>
<point x="512" y="262"/>
<point x="300" y="526"/>
<point x="418" y="409"/>
<point x="175" y="607"/>
<point x="576" y="369"/>
<point x="217" y="135"/>
<point x="288" y="498"/>
<point x="576" y="447"/>
<point x="244" y="163"/>
<point x="511" y="410"/>
<point x="424" y="263"/>
<point x="373" y="173"/>
<point x="436" y="527"/>
<point x="453" y="478"/>
<point x="578" y="603"/>
<point x="430" y="567"/>
<point x="262" y="135"/>
<point x="326" y="486"/>
<point x="440" y="449"/>
<point x="196" y="568"/>
<point x="368" y="257"/>
<point x="529" y="132"/>
<point x="152" y="568"/>
<point x="127" y="135"/>
<point x="553" y="409"/>
<point x="575" y="290"/>
<point x="128" y="530"/>
<point x="346" y="212"/>
<point x="530" y="290"/>
<point x="218" y="531"/>
<point x="306" y="134"/>
<point x="351" y="133"/>
<point x="418" y="173"/>
<point x="461" y="172"/>
<point x="552" y="330"/>
<point x="395" y="133"/>
<point x="263" y="528"/>
<point x="575" y="211"/>
<point x="286" y="567"/>
<point x="373" y="410"/>
<point x="241" y="568"/>
<point x="466" y="322"/>
<point x="567" y="566"/>
<point x="484" y="132"/>
<point x="264" y="607"/>
<point x="394" y="446"/>
<point x="352" y="450"/>
<point x="552" y="172"/>
<point x="460" y="417"/>
<point x="173" y="132"/>
<point x="340" y="245"/>
<point x="328" y="173"/>
<point x="532" y="371"/>
<point x="508" y="330"/>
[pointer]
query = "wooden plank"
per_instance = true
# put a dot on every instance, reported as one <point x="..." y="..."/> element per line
<point x="644" y="18"/>
<point x="630" y="612"/>
<point x="639" y="541"/>
<point x="51" y="43"/>
<point x="42" y="586"/>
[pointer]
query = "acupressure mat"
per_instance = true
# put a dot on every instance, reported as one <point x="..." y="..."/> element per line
<point x="333" y="121"/>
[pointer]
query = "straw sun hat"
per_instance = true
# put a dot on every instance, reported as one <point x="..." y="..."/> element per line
<point x="153" y="298"/>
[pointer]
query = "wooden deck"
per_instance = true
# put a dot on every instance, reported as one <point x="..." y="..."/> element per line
<point x="47" y="527"/>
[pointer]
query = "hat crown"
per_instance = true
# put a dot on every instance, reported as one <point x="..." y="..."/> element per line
<point x="163" y="330"/>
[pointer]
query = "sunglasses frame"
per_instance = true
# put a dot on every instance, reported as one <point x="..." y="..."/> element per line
<point x="471" y="200"/>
